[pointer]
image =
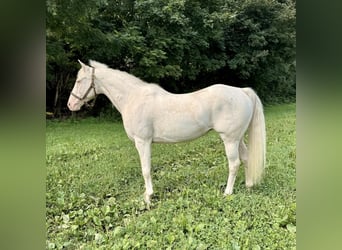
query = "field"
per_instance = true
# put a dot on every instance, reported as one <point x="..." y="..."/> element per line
<point x="94" y="190"/>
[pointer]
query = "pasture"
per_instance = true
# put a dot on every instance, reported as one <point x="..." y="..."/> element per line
<point x="94" y="191"/>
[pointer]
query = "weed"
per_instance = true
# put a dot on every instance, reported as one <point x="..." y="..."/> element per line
<point x="94" y="191"/>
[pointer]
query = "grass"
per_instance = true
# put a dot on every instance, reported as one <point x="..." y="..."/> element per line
<point x="95" y="186"/>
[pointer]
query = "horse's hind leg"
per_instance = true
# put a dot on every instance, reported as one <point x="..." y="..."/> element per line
<point x="232" y="152"/>
<point x="243" y="152"/>
<point x="244" y="157"/>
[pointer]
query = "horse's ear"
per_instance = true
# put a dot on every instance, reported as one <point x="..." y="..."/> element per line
<point x="82" y="64"/>
<point x="84" y="67"/>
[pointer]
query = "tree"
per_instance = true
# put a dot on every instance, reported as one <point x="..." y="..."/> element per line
<point x="69" y="36"/>
<point x="181" y="44"/>
<point x="174" y="40"/>
<point x="261" y="46"/>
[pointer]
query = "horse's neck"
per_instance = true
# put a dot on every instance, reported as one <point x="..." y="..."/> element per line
<point x="117" y="86"/>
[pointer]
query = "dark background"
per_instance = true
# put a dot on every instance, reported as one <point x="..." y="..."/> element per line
<point x="181" y="45"/>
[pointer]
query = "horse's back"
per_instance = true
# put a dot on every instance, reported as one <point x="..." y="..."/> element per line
<point x="218" y="96"/>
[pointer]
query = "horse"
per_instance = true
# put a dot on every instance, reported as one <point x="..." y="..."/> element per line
<point x="150" y="114"/>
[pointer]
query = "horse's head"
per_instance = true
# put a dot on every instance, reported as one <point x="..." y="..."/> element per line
<point x="84" y="88"/>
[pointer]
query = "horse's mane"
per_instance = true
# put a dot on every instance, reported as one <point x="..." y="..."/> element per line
<point x="125" y="76"/>
<point x="98" y="65"/>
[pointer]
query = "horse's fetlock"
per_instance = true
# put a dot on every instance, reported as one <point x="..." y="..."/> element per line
<point x="249" y="184"/>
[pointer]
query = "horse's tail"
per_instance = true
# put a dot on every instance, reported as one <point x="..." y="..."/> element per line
<point x="256" y="142"/>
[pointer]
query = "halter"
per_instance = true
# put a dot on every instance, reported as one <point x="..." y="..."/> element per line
<point x="91" y="87"/>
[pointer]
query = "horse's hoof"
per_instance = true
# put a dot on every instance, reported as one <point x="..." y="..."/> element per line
<point x="227" y="194"/>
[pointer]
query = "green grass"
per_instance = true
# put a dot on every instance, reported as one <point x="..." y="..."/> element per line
<point x="95" y="186"/>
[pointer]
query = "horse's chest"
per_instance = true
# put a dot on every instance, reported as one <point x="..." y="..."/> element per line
<point x="138" y="124"/>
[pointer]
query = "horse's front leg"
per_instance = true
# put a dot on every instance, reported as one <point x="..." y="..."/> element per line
<point x="144" y="150"/>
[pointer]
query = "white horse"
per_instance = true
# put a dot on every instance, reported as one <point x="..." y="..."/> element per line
<point x="151" y="114"/>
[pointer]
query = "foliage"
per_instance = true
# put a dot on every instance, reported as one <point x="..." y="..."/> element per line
<point x="261" y="46"/>
<point x="94" y="191"/>
<point x="179" y="44"/>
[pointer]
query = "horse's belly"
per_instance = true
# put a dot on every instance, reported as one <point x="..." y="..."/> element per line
<point x="178" y="129"/>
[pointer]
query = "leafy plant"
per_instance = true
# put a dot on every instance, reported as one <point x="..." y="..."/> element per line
<point x="182" y="45"/>
<point x="94" y="191"/>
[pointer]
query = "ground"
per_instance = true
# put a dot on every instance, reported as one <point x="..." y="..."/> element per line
<point x="95" y="188"/>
